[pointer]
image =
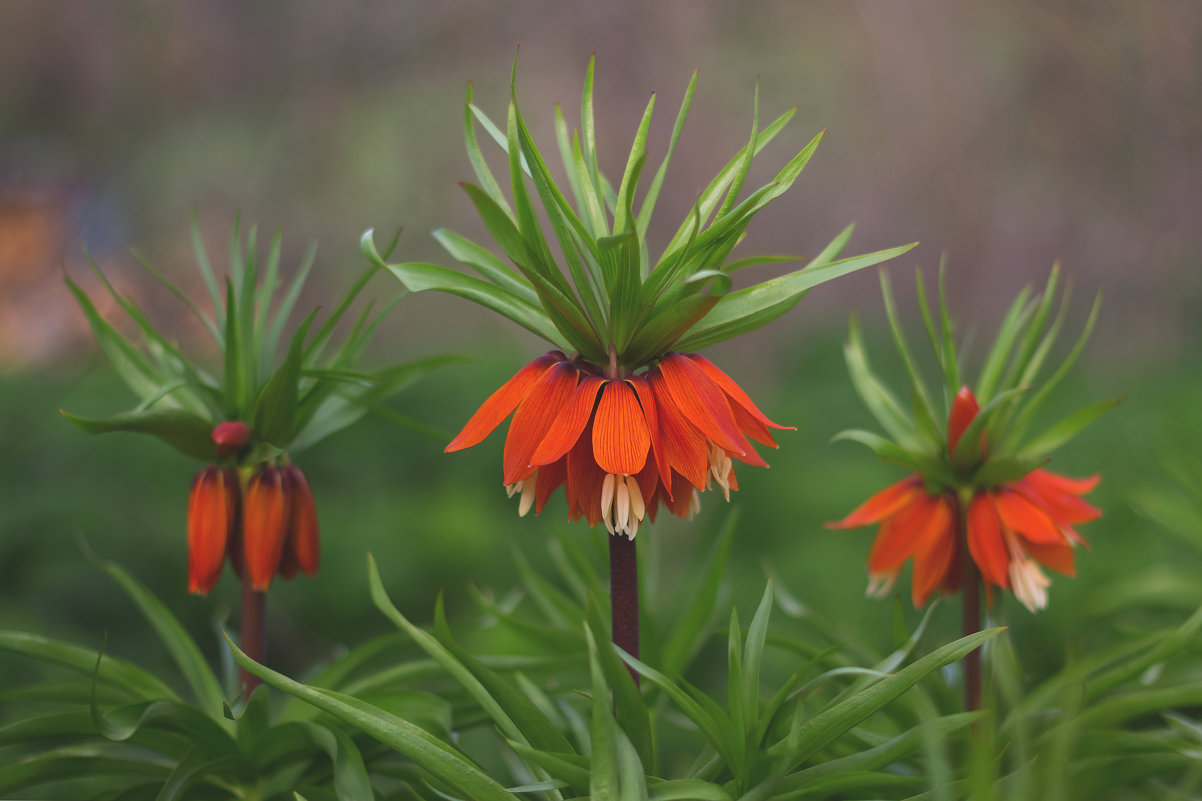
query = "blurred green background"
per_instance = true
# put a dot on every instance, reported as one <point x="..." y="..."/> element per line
<point x="1007" y="136"/>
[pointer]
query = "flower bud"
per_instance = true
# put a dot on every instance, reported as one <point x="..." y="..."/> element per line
<point x="230" y="437"/>
<point x="212" y="511"/>
<point x="302" y="546"/>
<point x="264" y="525"/>
<point x="964" y="409"/>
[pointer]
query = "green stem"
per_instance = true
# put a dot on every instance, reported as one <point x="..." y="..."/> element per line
<point x="970" y="588"/>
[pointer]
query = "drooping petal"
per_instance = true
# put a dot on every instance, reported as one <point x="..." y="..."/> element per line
<point x="750" y="426"/>
<point x="571" y="423"/>
<point x="1066" y="507"/>
<point x="212" y="504"/>
<point x="881" y="505"/>
<point x="684" y="444"/>
<point x="964" y="409"/>
<point x="620" y="436"/>
<point x="583" y="485"/>
<point x="1056" y="481"/>
<point x="550" y="477"/>
<point x="646" y="395"/>
<point x="739" y="398"/>
<point x="702" y="402"/>
<point x="535" y="417"/>
<point x="933" y="556"/>
<point x="1026" y="518"/>
<point x="264" y="525"/>
<point x="903" y="533"/>
<point x="498" y="406"/>
<point x="1056" y="557"/>
<point x="985" y="541"/>
<point x="303" y="543"/>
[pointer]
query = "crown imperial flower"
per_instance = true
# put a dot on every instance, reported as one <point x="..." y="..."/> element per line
<point x="632" y="420"/>
<point x="977" y="491"/>
<point x="212" y="515"/>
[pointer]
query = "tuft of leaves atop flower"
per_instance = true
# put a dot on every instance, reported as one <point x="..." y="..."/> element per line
<point x="288" y="404"/>
<point x="600" y="293"/>
<point x="1014" y="382"/>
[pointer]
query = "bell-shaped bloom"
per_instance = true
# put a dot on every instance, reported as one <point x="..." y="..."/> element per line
<point x="266" y="512"/>
<point x="1012" y="530"/>
<point x="212" y="516"/>
<point x="230" y="437"/>
<point x="620" y="446"/>
<point x="302" y="544"/>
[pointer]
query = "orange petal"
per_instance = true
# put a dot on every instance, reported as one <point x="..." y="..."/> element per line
<point x="985" y="541"/>
<point x="1067" y="510"/>
<point x="684" y="444"/>
<point x="550" y="477"/>
<point x="964" y="409"/>
<point x="642" y="388"/>
<point x="303" y="544"/>
<point x="903" y="533"/>
<point x="933" y="556"/>
<point x="211" y="512"/>
<point x="735" y="393"/>
<point x="1055" y="557"/>
<point x="498" y="406"/>
<point x="702" y="402"/>
<point x="538" y="414"/>
<point x="570" y="424"/>
<point x="583" y="486"/>
<point x="1024" y="517"/>
<point x="881" y="505"/>
<point x="620" y="436"/>
<point x="751" y="427"/>
<point x="264" y="526"/>
<point x="1055" y="481"/>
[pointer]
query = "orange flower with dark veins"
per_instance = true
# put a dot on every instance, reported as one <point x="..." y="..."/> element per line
<point x="1013" y="529"/>
<point x="212" y="516"/>
<point x="621" y="446"/>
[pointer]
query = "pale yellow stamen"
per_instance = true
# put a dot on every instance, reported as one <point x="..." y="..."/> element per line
<point x="719" y="470"/>
<point x="526" y="486"/>
<point x="880" y="584"/>
<point x="622" y="505"/>
<point x="1029" y="584"/>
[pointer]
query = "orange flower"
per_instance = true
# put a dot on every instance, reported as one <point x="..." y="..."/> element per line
<point x="620" y="445"/>
<point x="1012" y="529"/>
<point x="212" y="513"/>
<point x="279" y="526"/>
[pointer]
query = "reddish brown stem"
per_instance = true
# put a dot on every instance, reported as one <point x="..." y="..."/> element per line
<point x="624" y="595"/>
<point x="970" y="588"/>
<point x="253" y="631"/>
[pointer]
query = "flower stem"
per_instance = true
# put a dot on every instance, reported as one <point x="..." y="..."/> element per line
<point x="970" y="588"/>
<point x="624" y="595"/>
<point x="254" y="630"/>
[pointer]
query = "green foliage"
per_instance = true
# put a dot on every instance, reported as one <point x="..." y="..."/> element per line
<point x="1005" y="390"/>
<point x="605" y="293"/>
<point x="291" y="405"/>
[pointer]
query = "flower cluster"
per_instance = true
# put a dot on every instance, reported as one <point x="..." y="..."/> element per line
<point x="253" y="506"/>
<point x="632" y="419"/>
<point x="978" y="500"/>
<point x="621" y="445"/>
<point x="265" y="527"/>
<point x="1011" y="529"/>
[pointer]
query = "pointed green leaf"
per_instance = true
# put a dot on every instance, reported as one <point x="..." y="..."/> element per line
<point x="184" y="431"/>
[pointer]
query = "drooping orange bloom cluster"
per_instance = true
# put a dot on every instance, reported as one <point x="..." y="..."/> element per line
<point x="1012" y="529"/>
<point x="268" y="528"/>
<point x="620" y="445"/>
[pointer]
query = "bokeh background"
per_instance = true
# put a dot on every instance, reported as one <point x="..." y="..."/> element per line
<point x="1007" y="136"/>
